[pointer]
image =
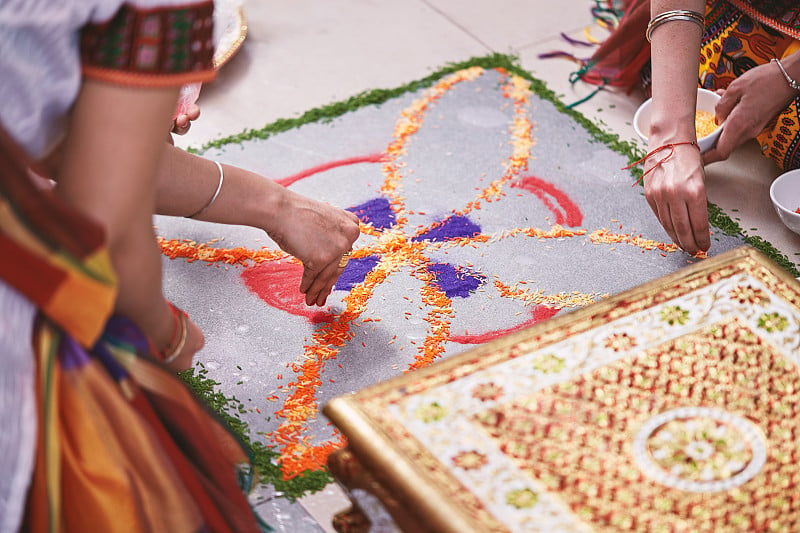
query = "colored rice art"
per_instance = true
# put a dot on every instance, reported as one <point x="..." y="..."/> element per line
<point x="394" y="244"/>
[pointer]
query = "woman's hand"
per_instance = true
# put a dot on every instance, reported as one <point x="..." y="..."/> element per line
<point x="749" y="103"/>
<point x="317" y="234"/>
<point x="186" y="110"/>
<point x="675" y="190"/>
<point x="183" y="121"/>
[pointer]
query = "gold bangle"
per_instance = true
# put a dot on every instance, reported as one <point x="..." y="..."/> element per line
<point x="216" y="193"/>
<point x="675" y="14"/>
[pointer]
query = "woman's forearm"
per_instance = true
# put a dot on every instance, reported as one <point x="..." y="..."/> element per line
<point x="313" y="231"/>
<point x="108" y="171"/>
<point x="137" y="261"/>
<point x="187" y="182"/>
<point x="675" y="50"/>
<point x="674" y="186"/>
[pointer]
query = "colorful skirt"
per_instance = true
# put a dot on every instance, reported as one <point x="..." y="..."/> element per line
<point x="95" y="434"/>
<point x="124" y="446"/>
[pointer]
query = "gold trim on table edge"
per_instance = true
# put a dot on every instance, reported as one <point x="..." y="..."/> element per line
<point x="373" y="449"/>
<point x="362" y="419"/>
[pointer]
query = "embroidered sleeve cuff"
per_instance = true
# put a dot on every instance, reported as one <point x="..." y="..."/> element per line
<point x="151" y="47"/>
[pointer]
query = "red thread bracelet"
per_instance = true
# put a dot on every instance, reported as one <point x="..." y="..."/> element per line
<point x="671" y="147"/>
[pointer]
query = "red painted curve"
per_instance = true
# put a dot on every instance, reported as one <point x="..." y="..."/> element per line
<point x="370" y="158"/>
<point x="563" y="208"/>
<point x="567" y="213"/>
<point x="539" y="313"/>
<point x="277" y="284"/>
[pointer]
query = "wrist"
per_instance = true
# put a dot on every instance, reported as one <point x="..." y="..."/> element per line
<point x="672" y="130"/>
<point x="792" y="65"/>
<point x="272" y="205"/>
<point x="784" y="67"/>
<point x="259" y="200"/>
<point x="163" y="329"/>
<point x="660" y="155"/>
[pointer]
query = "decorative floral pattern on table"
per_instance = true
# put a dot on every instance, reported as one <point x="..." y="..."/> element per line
<point x="580" y="438"/>
<point x="682" y="403"/>
<point x="469" y="460"/>
<point x="700" y="449"/>
<point x="487" y="391"/>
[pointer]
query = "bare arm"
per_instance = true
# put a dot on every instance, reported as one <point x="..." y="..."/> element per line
<point x="108" y="170"/>
<point x="314" y="232"/>
<point x="676" y="189"/>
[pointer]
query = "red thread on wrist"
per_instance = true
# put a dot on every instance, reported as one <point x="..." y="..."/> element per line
<point x="671" y="147"/>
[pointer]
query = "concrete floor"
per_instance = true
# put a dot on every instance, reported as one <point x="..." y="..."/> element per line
<point x="302" y="54"/>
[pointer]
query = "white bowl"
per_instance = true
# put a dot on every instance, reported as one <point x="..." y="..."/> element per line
<point x="706" y="101"/>
<point x="785" y="195"/>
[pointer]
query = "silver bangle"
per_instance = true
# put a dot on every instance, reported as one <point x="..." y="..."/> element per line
<point x="216" y="193"/>
<point x="675" y="14"/>
<point x="793" y="84"/>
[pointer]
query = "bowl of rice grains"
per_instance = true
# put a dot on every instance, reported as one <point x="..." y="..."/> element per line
<point x="707" y="129"/>
<point x="785" y="195"/>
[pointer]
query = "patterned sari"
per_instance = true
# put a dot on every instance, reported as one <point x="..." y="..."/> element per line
<point x="121" y="443"/>
<point x="738" y="38"/>
<point x="739" y="35"/>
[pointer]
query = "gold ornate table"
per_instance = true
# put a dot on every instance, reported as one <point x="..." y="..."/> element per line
<point x="670" y="407"/>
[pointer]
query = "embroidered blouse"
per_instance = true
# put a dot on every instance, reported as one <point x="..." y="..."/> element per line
<point x="47" y="45"/>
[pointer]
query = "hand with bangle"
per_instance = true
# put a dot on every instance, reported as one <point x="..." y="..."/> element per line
<point x="751" y="102"/>
<point x="186" y="339"/>
<point x="315" y="232"/>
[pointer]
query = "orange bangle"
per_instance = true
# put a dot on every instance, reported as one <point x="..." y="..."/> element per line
<point x="180" y="332"/>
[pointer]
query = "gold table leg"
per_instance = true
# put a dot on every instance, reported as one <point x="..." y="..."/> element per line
<point x="347" y="470"/>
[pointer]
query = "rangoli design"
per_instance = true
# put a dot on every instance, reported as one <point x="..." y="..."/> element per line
<point x="433" y="250"/>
